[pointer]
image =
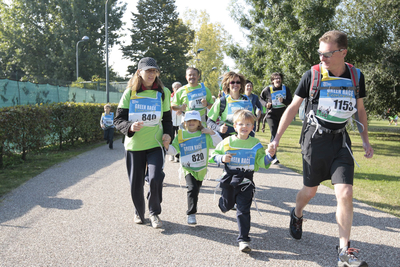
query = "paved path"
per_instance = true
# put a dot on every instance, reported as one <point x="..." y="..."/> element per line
<point x="79" y="213"/>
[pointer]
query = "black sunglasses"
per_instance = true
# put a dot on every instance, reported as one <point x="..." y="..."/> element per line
<point x="233" y="82"/>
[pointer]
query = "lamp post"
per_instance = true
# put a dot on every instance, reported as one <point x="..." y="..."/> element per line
<point x="197" y="54"/>
<point x="84" y="39"/>
<point x="106" y="27"/>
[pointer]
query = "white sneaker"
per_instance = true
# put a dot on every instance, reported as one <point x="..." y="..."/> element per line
<point x="244" y="246"/>
<point x="275" y="161"/>
<point x="176" y="159"/>
<point x="155" y="221"/>
<point x="191" y="219"/>
<point x="137" y="219"/>
<point x="171" y="157"/>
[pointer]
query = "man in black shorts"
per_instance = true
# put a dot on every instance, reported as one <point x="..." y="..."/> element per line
<point x="338" y="93"/>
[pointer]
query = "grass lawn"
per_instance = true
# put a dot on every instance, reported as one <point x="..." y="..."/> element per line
<point x="377" y="180"/>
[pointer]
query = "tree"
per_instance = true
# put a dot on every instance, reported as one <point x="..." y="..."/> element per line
<point x="283" y="37"/>
<point x="157" y="32"/>
<point x="39" y="37"/>
<point x="212" y="38"/>
<point x="373" y="28"/>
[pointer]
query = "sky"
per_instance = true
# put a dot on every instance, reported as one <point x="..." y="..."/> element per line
<point x="216" y="9"/>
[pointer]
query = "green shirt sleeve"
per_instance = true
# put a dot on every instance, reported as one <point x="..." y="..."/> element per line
<point x="124" y="102"/>
<point x="214" y="111"/>
<point x="167" y="100"/>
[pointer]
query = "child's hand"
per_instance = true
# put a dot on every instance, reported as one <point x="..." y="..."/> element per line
<point x="166" y="139"/>
<point x="207" y="131"/>
<point x="271" y="149"/>
<point x="226" y="158"/>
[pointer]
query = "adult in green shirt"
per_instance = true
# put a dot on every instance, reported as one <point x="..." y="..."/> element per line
<point x="193" y="96"/>
<point x="144" y="117"/>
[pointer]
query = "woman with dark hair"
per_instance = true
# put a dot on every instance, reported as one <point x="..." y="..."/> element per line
<point x="233" y="85"/>
<point x="144" y="117"/>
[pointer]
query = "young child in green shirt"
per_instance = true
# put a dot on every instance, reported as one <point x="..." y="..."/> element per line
<point x="242" y="156"/>
<point x="193" y="144"/>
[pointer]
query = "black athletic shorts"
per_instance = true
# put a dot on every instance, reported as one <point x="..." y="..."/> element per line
<point x="325" y="158"/>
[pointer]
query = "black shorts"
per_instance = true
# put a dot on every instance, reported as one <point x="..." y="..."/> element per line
<point x="325" y="158"/>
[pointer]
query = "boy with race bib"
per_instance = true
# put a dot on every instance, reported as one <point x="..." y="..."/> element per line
<point x="193" y="144"/>
<point x="242" y="156"/>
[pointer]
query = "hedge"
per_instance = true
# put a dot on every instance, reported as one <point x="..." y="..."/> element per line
<point x="27" y="128"/>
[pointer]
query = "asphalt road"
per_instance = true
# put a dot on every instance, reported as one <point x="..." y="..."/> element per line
<point x="79" y="213"/>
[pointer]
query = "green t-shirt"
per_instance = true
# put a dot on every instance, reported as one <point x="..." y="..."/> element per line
<point x="149" y="136"/>
<point x="181" y="97"/>
<point x="198" y="175"/>
<point x="236" y="143"/>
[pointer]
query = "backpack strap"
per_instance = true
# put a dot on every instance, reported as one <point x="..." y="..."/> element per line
<point x="222" y="105"/>
<point x="315" y="80"/>
<point x="354" y="79"/>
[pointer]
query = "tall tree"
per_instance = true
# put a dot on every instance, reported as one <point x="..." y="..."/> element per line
<point x="373" y="28"/>
<point x="157" y="32"/>
<point x="212" y="38"/>
<point x="39" y="37"/>
<point x="283" y="37"/>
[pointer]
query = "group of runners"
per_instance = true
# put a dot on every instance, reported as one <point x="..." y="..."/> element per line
<point x="332" y="91"/>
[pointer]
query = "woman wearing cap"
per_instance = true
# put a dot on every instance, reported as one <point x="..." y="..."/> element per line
<point x="233" y="85"/>
<point x="193" y="143"/>
<point x="144" y="117"/>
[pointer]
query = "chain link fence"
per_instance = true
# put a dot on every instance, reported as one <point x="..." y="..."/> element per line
<point x="25" y="93"/>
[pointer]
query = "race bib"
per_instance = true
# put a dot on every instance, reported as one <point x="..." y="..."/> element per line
<point x="145" y="109"/>
<point x="233" y="105"/>
<point x="275" y="98"/>
<point x="194" y="153"/>
<point x="195" y="98"/>
<point x="336" y="105"/>
<point x="243" y="159"/>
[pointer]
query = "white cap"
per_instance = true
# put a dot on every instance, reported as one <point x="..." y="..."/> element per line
<point x="192" y="115"/>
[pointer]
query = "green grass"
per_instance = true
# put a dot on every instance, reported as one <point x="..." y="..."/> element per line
<point x="17" y="172"/>
<point x="377" y="180"/>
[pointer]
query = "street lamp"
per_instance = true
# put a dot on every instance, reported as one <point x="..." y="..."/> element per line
<point x="198" y="52"/>
<point x="107" y="78"/>
<point x="84" y="39"/>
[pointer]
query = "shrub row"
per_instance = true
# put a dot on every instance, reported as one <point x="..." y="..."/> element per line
<point x="31" y="127"/>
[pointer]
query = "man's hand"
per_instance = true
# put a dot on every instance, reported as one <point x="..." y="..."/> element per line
<point x="269" y="105"/>
<point x="166" y="139"/>
<point x="280" y="99"/>
<point x="183" y="107"/>
<point x="369" y="152"/>
<point x="204" y="102"/>
<point x="271" y="149"/>
<point x="223" y="128"/>
<point x="226" y="158"/>
<point x="136" y="126"/>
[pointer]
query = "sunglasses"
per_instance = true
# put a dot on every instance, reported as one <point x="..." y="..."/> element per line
<point x="233" y="82"/>
<point x="330" y="53"/>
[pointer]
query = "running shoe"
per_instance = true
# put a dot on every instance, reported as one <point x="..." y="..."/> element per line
<point x="296" y="225"/>
<point x="155" y="221"/>
<point x="191" y="219"/>
<point x="244" y="246"/>
<point x="346" y="257"/>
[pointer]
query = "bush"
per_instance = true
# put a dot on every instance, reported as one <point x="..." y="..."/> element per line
<point x="31" y="127"/>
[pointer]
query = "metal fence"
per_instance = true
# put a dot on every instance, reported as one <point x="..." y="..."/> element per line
<point x="24" y="93"/>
